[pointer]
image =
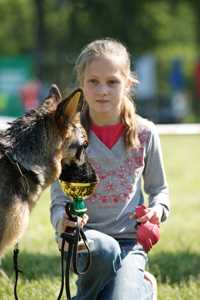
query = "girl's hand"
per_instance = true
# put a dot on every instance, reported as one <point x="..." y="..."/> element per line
<point x="83" y="220"/>
<point x="66" y="222"/>
<point x="147" y="230"/>
<point x="153" y="215"/>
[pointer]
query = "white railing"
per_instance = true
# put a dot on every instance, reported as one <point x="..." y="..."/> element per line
<point x="4" y="122"/>
<point x="171" y="129"/>
<point x="167" y="129"/>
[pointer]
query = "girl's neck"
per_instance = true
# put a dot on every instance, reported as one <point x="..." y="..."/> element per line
<point x="104" y="119"/>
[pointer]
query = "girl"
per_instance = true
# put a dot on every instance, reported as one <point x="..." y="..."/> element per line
<point x="124" y="148"/>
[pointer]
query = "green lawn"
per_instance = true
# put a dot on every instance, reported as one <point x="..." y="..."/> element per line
<point x="175" y="260"/>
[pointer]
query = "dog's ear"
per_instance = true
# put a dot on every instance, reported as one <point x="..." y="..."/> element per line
<point x="55" y="93"/>
<point x="69" y="106"/>
<point x="54" y="97"/>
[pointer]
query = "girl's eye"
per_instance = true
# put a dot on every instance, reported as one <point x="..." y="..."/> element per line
<point x="93" y="81"/>
<point x="113" y="81"/>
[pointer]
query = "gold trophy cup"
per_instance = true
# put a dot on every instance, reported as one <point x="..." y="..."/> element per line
<point x="78" y="192"/>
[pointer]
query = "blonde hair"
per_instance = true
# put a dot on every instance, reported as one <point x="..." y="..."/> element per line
<point x="106" y="48"/>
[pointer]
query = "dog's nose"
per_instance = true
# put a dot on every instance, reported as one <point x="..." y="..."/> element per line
<point x="81" y="149"/>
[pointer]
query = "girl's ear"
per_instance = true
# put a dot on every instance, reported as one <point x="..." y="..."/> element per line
<point x="131" y="82"/>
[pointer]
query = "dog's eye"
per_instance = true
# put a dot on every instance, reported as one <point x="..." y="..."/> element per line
<point x="85" y="145"/>
<point x="73" y="146"/>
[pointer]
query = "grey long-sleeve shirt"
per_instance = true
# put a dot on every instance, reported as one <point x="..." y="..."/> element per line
<point x="123" y="175"/>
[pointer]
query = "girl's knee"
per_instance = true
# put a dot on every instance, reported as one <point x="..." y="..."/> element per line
<point x="103" y="243"/>
<point x="106" y="252"/>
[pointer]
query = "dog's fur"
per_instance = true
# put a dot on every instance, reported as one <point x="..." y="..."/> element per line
<point x="32" y="152"/>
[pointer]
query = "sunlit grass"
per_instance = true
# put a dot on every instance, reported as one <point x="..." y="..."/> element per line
<point x="175" y="261"/>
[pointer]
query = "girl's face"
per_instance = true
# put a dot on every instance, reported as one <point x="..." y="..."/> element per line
<point x="104" y="88"/>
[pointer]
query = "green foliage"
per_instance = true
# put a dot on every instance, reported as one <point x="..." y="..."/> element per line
<point x="175" y="260"/>
<point x="16" y="34"/>
<point x="56" y="31"/>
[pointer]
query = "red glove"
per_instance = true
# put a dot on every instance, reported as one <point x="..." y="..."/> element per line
<point x="147" y="234"/>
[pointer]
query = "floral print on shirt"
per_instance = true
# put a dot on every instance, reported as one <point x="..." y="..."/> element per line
<point x="116" y="183"/>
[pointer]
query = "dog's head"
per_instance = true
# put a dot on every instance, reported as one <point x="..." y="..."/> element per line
<point x="50" y="137"/>
<point x="75" y="166"/>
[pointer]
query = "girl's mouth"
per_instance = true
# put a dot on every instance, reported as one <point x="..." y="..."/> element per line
<point x="102" y="101"/>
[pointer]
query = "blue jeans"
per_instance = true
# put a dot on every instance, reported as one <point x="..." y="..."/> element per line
<point x="116" y="272"/>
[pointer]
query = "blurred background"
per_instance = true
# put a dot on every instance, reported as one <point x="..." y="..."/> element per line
<point x="40" y="40"/>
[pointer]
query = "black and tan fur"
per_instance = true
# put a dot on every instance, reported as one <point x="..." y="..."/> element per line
<point x="32" y="152"/>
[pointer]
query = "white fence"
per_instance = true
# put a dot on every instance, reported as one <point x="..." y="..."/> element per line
<point x="167" y="129"/>
<point x="171" y="129"/>
<point x="4" y="121"/>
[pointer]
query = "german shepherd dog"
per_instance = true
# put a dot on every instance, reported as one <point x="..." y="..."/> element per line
<point x="33" y="151"/>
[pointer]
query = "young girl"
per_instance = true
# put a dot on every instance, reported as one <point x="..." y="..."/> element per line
<point x="124" y="148"/>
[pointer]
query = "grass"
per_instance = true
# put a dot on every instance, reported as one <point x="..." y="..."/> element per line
<point x="175" y="261"/>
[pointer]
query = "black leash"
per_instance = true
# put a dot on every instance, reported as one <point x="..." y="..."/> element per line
<point x="65" y="273"/>
<point x="72" y="239"/>
<point x="13" y="161"/>
<point x="16" y="269"/>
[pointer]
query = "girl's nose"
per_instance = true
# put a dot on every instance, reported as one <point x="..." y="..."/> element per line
<point x="103" y="89"/>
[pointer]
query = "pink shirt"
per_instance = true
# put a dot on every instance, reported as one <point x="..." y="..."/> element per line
<point x="108" y="134"/>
